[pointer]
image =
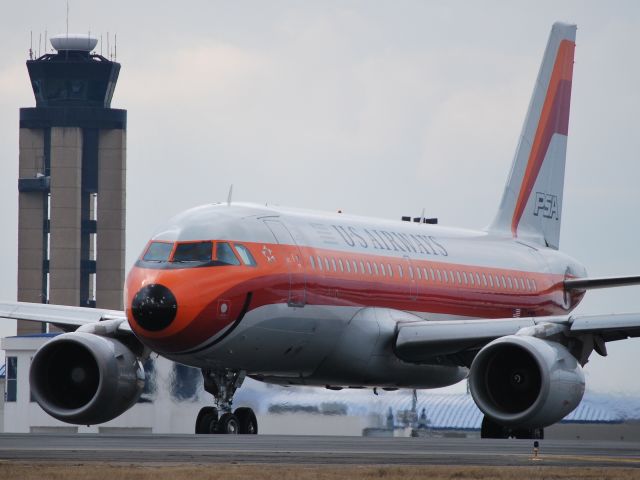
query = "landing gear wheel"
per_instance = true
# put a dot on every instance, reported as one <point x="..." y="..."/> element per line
<point x="207" y="420"/>
<point x="228" y="424"/>
<point x="247" y="420"/>
<point x="528" y="433"/>
<point x="492" y="429"/>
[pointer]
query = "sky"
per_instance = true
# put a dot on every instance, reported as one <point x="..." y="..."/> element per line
<point x="379" y="108"/>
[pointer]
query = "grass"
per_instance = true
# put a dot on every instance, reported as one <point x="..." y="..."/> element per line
<point x="10" y="470"/>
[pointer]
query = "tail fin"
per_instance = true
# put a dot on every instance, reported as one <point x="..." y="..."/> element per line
<point x="531" y="205"/>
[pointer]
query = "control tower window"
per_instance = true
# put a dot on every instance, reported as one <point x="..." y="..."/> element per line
<point x="245" y="255"/>
<point x="193" y="252"/>
<point x="225" y="254"/>
<point x="158" y="252"/>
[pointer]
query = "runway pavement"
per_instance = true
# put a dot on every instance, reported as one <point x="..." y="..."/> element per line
<point x="272" y="449"/>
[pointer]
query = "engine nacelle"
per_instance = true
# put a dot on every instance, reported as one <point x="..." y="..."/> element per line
<point x="85" y="379"/>
<point x="526" y="382"/>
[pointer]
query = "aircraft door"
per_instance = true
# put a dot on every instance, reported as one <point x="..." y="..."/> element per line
<point x="293" y="260"/>
<point x="411" y="278"/>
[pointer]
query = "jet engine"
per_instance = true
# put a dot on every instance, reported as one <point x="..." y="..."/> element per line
<point x="523" y="381"/>
<point x="85" y="379"/>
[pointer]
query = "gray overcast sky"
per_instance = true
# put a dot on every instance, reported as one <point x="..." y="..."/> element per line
<point x="379" y="108"/>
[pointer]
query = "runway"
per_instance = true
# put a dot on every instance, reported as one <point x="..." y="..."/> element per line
<point x="272" y="449"/>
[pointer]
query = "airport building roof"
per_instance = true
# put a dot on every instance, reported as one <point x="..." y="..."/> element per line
<point x="443" y="411"/>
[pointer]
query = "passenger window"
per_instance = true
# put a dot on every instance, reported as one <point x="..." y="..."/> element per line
<point x="224" y="254"/>
<point x="451" y="277"/>
<point x="419" y="273"/>
<point x="355" y="266"/>
<point x="326" y="264"/>
<point x="390" y="270"/>
<point x="312" y="262"/>
<point x="504" y="284"/>
<point x="375" y="267"/>
<point x="439" y="275"/>
<point x="521" y="283"/>
<point x="410" y="268"/>
<point x="478" y="278"/>
<point x="333" y="264"/>
<point x="459" y="279"/>
<point x="490" y="280"/>
<point x="158" y="252"/>
<point x="361" y="267"/>
<point x="509" y="282"/>
<point x="433" y="277"/>
<point x="369" y="268"/>
<point x="528" y="284"/>
<point x="400" y="273"/>
<point x="470" y="278"/>
<point x="426" y="275"/>
<point x="535" y="287"/>
<point x="383" y="270"/>
<point x="245" y="255"/>
<point x="196" y="252"/>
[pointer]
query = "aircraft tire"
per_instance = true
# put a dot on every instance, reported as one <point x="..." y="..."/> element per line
<point x="492" y="429"/>
<point x="228" y="424"/>
<point x="248" y="423"/>
<point x="207" y="420"/>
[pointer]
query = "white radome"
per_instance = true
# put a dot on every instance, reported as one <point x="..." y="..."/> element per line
<point x="74" y="41"/>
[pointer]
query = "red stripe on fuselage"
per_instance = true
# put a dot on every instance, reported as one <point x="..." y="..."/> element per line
<point x="199" y="291"/>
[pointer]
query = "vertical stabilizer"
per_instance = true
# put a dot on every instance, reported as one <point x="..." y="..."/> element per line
<point x="531" y="206"/>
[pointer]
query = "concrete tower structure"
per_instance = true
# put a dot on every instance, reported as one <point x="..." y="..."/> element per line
<point x="71" y="231"/>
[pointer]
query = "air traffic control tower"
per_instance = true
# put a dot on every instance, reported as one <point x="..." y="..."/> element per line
<point x="71" y="231"/>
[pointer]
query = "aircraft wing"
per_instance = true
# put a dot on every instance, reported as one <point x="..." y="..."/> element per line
<point x="65" y="317"/>
<point x="426" y="341"/>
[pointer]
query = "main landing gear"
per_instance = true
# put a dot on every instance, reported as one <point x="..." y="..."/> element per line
<point x="222" y="384"/>
<point x="492" y="429"/>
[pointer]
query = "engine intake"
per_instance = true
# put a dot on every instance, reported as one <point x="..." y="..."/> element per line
<point x="85" y="379"/>
<point x="527" y="382"/>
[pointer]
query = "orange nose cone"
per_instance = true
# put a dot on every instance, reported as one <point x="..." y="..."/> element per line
<point x="173" y="311"/>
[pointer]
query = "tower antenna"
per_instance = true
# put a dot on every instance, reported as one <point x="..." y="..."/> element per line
<point x="31" y="45"/>
<point x="67" y="18"/>
<point x="115" y="47"/>
<point x="45" y="41"/>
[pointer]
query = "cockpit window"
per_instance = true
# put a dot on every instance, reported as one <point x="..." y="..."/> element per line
<point x="245" y="255"/>
<point x="225" y="255"/>
<point x="193" y="252"/>
<point x="158" y="252"/>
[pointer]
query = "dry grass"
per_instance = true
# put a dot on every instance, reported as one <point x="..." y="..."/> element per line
<point x="98" y="471"/>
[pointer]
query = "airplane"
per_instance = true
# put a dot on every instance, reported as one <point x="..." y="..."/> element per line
<point x="295" y="297"/>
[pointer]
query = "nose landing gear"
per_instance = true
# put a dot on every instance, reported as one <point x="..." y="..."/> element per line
<point x="222" y="384"/>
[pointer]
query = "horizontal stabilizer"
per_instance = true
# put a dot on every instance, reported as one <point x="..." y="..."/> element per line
<point x="590" y="283"/>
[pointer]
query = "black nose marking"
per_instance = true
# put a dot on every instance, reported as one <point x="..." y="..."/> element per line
<point x="154" y="307"/>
